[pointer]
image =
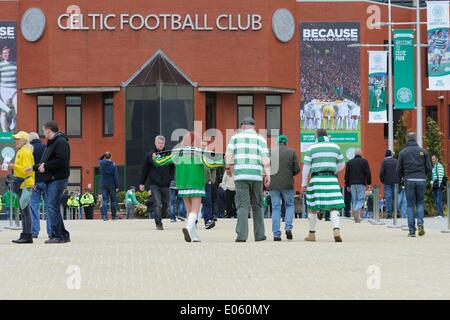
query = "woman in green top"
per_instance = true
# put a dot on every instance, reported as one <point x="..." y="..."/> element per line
<point x="191" y="163"/>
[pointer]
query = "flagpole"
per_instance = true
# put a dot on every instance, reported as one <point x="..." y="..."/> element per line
<point x="419" y="77"/>
<point x="391" y="80"/>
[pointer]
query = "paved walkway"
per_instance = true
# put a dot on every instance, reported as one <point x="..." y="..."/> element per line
<point x="132" y="260"/>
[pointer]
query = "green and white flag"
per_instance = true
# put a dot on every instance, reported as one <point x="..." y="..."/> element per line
<point x="438" y="46"/>
<point x="377" y="86"/>
<point x="404" y="69"/>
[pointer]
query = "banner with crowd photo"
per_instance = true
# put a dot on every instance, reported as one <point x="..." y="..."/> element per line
<point x="404" y="70"/>
<point x="8" y="78"/>
<point x="377" y="86"/>
<point x="330" y="84"/>
<point x="438" y="45"/>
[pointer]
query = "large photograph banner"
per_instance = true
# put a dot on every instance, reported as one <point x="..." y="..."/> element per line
<point x="330" y="84"/>
<point x="377" y="86"/>
<point x="438" y="48"/>
<point x="8" y="77"/>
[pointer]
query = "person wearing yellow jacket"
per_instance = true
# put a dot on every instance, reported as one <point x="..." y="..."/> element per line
<point x="24" y="160"/>
<point x="73" y="205"/>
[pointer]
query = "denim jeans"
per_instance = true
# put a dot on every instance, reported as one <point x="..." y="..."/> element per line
<point x="437" y="192"/>
<point x="389" y="195"/>
<point x="415" y="193"/>
<point x="172" y="204"/>
<point x="358" y="197"/>
<point x="130" y="211"/>
<point x="176" y="206"/>
<point x="207" y="204"/>
<point x="108" y="193"/>
<point x="287" y="196"/>
<point x="53" y="194"/>
<point x="402" y="203"/>
<point x="38" y="192"/>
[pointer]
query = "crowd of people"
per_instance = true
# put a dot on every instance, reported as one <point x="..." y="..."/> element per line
<point x="192" y="183"/>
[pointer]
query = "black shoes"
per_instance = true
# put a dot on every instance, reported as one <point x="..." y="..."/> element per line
<point x="276" y="238"/>
<point x="412" y="234"/>
<point x="24" y="238"/>
<point x="289" y="234"/>
<point x="210" y="224"/>
<point x="239" y="240"/>
<point x="54" y="241"/>
<point x="35" y="236"/>
<point x="159" y="226"/>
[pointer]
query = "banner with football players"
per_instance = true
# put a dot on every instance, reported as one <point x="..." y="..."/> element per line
<point x="330" y="84"/>
<point x="8" y="79"/>
<point x="404" y="69"/>
<point x="438" y="46"/>
<point x="377" y="86"/>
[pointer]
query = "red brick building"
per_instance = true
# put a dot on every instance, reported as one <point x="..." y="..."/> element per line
<point x="227" y="58"/>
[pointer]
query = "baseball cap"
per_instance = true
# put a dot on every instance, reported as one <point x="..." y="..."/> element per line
<point x="21" y="135"/>
<point x="248" y="120"/>
<point x="282" y="139"/>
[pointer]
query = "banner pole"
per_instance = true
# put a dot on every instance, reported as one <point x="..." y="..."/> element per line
<point x="418" y="77"/>
<point x="448" y="209"/>
<point x="391" y="80"/>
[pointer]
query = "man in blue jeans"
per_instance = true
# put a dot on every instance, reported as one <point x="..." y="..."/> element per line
<point x="110" y="185"/>
<point x="389" y="178"/>
<point x="357" y="177"/>
<point x="55" y="169"/>
<point x="284" y="166"/>
<point x="414" y="165"/>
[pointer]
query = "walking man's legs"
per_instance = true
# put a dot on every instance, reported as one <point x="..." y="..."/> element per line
<point x="389" y="195"/>
<point x="256" y="199"/>
<point x="157" y="204"/>
<point x="275" y="196"/>
<point x="288" y="199"/>
<point x="411" y="201"/>
<point x="242" y="200"/>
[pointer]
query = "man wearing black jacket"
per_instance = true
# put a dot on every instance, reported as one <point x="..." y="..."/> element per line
<point x="389" y="178"/>
<point x="55" y="169"/>
<point x="414" y="165"/>
<point x="357" y="177"/>
<point x="39" y="187"/>
<point x="159" y="179"/>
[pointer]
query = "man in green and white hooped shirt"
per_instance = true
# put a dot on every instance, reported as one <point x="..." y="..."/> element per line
<point x="247" y="158"/>
<point x="437" y="174"/>
<point x="8" y="90"/>
<point x="323" y="160"/>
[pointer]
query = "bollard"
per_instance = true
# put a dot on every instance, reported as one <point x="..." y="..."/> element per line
<point x="376" y="206"/>
<point x="448" y="207"/>
<point x="394" y="217"/>
<point x="11" y="219"/>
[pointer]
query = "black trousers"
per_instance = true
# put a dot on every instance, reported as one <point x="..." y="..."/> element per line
<point x="161" y="198"/>
<point x="89" y="212"/>
<point x="230" y="205"/>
